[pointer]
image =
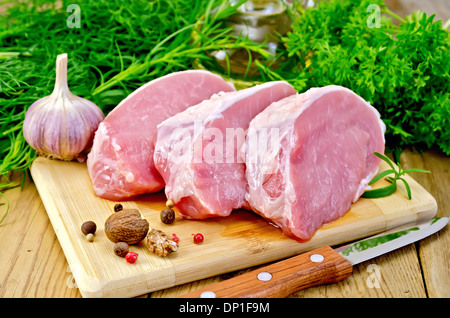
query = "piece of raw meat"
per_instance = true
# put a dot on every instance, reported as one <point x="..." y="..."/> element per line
<point x="120" y="163"/>
<point x="197" y="151"/>
<point x="322" y="162"/>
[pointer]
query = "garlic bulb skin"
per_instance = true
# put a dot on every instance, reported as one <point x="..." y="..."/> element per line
<point x="62" y="125"/>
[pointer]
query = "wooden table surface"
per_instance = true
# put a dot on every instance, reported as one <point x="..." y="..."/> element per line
<point x="32" y="263"/>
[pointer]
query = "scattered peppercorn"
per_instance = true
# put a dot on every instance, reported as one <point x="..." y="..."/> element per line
<point x="198" y="238"/>
<point x="118" y="207"/>
<point x="131" y="257"/>
<point x="170" y="204"/>
<point x="121" y="249"/>
<point x="90" y="237"/>
<point x="88" y="227"/>
<point x="167" y="216"/>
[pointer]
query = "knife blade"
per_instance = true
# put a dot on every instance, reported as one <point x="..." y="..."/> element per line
<point x="320" y="266"/>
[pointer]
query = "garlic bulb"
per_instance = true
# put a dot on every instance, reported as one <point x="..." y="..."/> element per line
<point x="62" y="125"/>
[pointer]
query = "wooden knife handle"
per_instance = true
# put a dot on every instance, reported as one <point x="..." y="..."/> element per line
<point x="321" y="266"/>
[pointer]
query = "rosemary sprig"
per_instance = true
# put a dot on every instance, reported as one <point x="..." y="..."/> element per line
<point x="390" y="189"/>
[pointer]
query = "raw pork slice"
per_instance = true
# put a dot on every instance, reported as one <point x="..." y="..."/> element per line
<point x="197" y="151"/>
<point x="120" y="163"/>
<point x="322" y="162"/>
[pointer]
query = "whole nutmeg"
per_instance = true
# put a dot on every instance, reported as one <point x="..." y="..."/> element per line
<point x="126" y="226"/>
<point x="167" y="216"/>
<point x="121" y="249"/>
<point x="88" y="227"/>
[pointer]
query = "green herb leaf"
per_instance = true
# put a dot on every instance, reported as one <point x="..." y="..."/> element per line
<point x="415" y="170"/>
<point x="408" y="190"/>
<point x="390" y="189"/>
<point x="381" y="175"/>
<point x="380" y="192"/>
<point x="402" y="68"/>
<point x="385" y="159"/>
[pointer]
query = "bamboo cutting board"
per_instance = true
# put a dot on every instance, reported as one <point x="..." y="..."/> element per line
<point x="235" y="242"/>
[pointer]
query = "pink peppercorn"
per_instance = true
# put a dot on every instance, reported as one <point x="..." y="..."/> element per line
<point x="198" y="238"/>
<point x="131" y="257"/>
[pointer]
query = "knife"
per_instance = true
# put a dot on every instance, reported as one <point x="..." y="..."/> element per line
<point x="320" y="266"/>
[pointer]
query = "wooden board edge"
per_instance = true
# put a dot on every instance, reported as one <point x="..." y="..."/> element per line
<point x="89" y="285"/>
<point x="400" y="210"/>
<point x="56" y="220"/>
<point x="143" y="283"/>
<point x="349" y="228"/>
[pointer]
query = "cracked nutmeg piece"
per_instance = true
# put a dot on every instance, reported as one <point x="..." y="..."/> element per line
<point x="160" y="243"/>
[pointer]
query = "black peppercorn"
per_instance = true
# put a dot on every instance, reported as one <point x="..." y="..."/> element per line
<point x="118" y="207"/>
<point x="167" y="216"/>
<point x="121" y="249"/>
<point x="88" y="227"/>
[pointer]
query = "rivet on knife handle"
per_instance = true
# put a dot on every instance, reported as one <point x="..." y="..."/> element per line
<point x="317" y="267"/>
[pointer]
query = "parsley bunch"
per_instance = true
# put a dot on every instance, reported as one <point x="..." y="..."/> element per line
<point x="403" y="70"/>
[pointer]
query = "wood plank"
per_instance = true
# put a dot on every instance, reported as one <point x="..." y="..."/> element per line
<point x="56" y="280"/>
<point x="434" y="251"/>
<point x="406" y="7"/>
<point x="239" y="241"/>
<point x="400" y="271"/>
<point x="396" y="274"/>
<point x="292" y="274"/>
<point x="33" y="263"/>
<point x="59" y="283"/>
<point x="374" y="279"/>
